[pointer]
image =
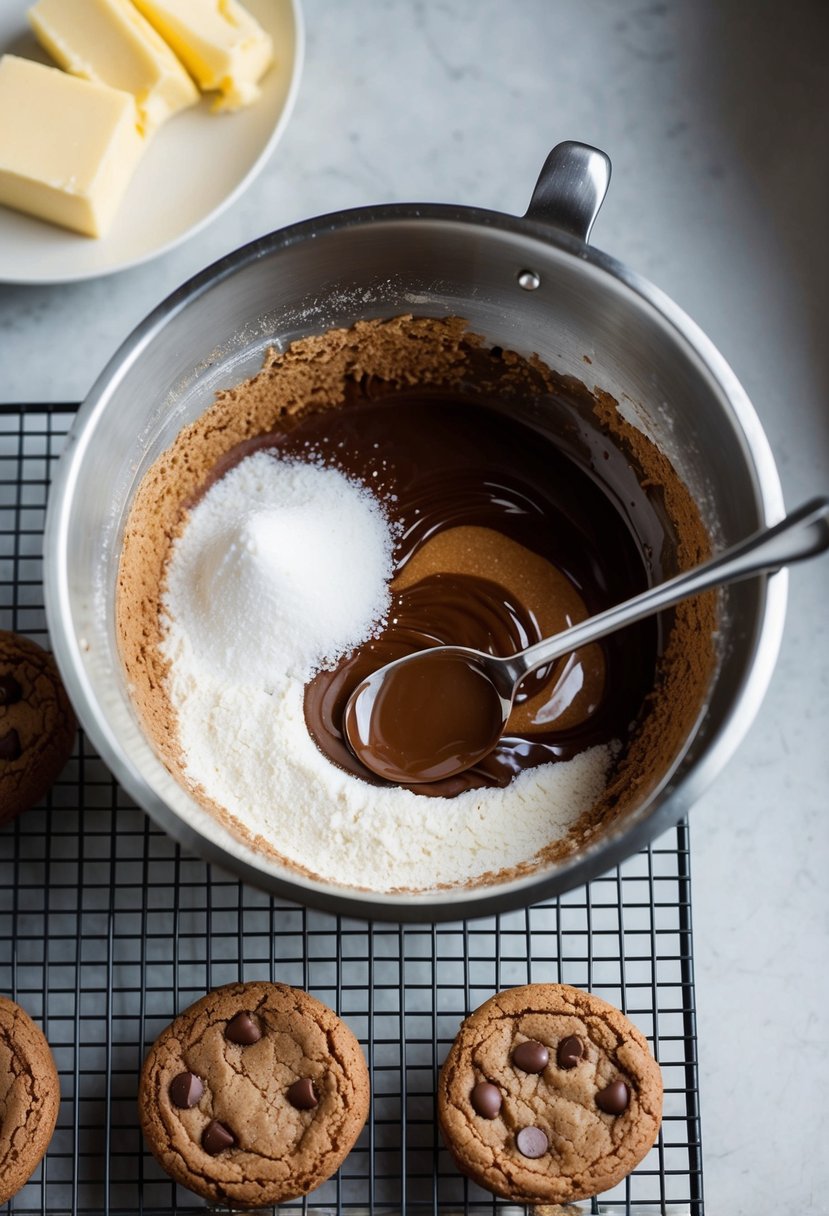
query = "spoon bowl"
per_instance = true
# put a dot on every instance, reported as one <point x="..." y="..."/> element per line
<point x="438" y="712"/>
<point x="429" y="715"/>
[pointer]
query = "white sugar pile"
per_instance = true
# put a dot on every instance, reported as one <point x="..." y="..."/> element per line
<point x="281" y="568"/>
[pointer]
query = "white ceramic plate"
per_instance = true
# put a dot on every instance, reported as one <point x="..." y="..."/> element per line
<point x="197" y="164"/>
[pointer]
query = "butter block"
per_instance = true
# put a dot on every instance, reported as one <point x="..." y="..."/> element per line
<point x="109" y="42"/>
<point x="68" y="148"/>
<point x="219" y="43"/>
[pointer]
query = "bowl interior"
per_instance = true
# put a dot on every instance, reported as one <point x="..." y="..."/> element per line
<point x="586" y="317"/>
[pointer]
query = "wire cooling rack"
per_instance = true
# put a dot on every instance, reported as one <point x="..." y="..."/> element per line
<point x="107" y="930"/>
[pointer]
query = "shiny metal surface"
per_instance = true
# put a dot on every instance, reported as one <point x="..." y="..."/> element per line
<point x="801" y="535"/>
<point x="571" y="188"/>
<point x="433" y="261"/>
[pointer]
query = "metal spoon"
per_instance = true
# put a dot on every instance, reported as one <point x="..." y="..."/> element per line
<point x="438" y="712"/>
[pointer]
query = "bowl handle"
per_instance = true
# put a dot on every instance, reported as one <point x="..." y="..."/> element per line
<point x="571" y="188"/>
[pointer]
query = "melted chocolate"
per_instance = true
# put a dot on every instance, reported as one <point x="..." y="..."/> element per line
<point x="425" y="719"/>
<point x="438" y="460"/>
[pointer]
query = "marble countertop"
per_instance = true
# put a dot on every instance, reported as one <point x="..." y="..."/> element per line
<point x="716" y="117"/>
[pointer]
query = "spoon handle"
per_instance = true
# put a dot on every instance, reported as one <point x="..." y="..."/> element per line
<point x="804" y="533"/>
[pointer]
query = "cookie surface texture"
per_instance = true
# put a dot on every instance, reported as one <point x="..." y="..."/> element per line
<point x="29" y="1097"/>
<point x="37" y="725"/>
<point x="254" y="1095"/>
<point x="568" y="1131"/>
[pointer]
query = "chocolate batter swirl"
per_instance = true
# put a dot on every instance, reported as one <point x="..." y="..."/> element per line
<point x="501" y="539"/>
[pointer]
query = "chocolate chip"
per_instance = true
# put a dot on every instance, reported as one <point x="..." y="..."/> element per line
<point x="216" y="1138"/>
<point x="531" y="1056"/>
<point x="613" y="1100"/>
<point x="10" y="691"/>
<point x="243" y="1030"/>
<point x="570" y="1052"/>
<point x="10" y="748"/>
<point x="532" y="1142"/>
<point x="301" y="1094"/>
<point x="486" y="1100"/>
<point x="185" y="1090"/>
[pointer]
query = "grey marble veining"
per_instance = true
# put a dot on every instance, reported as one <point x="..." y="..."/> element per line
<point x="716" y="116"/>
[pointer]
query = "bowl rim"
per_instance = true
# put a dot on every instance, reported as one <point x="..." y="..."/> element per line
<point x="678" y="789"/>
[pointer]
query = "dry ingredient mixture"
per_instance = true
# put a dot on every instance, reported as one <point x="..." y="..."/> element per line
<point x="283" y="567"/>
<point x="255" y="591"/>
<point x="281" y="570"/>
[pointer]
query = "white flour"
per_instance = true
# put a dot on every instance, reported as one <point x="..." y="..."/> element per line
<point x="283" y="567"/>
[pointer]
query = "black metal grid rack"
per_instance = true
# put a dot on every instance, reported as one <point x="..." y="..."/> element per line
<point x="107" y="930"/>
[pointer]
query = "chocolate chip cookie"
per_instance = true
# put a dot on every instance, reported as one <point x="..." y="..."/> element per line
<point x="37" y="725"/>
<point x="549" y="1095"/>
<point x="29" y="1097"/>
<point x="254" y="1095"/>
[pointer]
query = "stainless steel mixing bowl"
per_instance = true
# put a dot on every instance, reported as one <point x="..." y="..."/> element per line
<point x="530" y="283"/>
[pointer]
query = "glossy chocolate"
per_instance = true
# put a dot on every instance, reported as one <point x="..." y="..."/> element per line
<point x="570" y="1052"/>
<point x="243" y="1030"/>
<point x="486" y="1100"/>
<point x="425" y="720"/>
<point x="216" y="1138"/>
<point x="531" y="1056"/>
<point x="614" y="1098"/>
<point x="302" y="1095"/>
<point x="442" y="460"/>
<point x="186" y="1090"/>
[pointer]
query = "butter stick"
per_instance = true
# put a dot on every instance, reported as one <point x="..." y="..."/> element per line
<point x="68" y="148"/>
<point x="109" y="42"/>
<point x="219" y="42"/>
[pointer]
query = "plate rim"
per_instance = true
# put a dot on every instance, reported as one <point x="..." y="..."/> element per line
<point x="298" y="60"/>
